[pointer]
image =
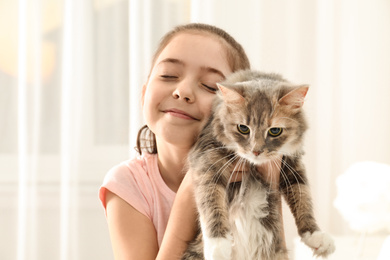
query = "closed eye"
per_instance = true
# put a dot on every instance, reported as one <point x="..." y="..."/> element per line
<point x="169" y="77"/>
<point x="209" y="88"/>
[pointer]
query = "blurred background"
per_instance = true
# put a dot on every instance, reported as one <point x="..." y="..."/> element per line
<point x="71" y="74"/>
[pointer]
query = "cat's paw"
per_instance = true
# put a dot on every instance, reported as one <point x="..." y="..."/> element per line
<point x="218" y="248"/>
<point x="321" y="243"/>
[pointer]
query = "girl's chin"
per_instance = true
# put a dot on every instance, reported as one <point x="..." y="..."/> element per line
<point x="179" y="135"/>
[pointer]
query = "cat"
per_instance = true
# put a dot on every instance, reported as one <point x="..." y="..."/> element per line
<point x="256" y="118"/>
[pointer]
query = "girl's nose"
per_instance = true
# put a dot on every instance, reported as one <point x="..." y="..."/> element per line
<point x="184" y="92"/>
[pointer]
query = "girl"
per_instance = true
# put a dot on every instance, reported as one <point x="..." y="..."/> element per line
<point x="138" y="194"/>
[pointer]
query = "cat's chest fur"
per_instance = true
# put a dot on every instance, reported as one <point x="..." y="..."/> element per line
<point x="247" y="212"/>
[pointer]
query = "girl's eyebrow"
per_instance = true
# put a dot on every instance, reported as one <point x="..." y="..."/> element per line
<point x="181" y="63"/>
<point x="172" y="60"/>
<point x="213" y="70"/>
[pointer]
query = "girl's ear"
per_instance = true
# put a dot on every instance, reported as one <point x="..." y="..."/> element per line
<point x="230" y="96"/>
<point x="294" y="99"/>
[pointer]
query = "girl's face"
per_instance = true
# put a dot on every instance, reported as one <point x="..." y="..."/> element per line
<point x="182" y="86"/>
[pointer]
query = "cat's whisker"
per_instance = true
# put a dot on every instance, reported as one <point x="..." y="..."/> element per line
<point x="228" y="163"/>
<point x="291" y="155"/>
<point x="278" y="163"/>
<point x="223" y="167"/>
<point x="237" y="168"/>
<point x="221" y="159"/>
<point x="215" y="177"/>
<point x="214" y="149"/>
<point x="253" y="175"/>
<point x="293" y="171"/>
<point x="288" y="183"/>
<point x="295" y="174"/>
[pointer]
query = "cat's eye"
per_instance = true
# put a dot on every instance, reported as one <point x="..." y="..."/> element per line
<point x="275" y="131"/>
<point x="243" y="129"/>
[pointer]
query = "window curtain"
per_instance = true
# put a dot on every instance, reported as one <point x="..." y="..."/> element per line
<point x="64" y="80"/>
<point x="71" y="73"/>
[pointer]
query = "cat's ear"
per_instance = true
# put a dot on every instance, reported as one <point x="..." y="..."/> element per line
<point x="230" y="96"/>
<point x="294" y="99"/>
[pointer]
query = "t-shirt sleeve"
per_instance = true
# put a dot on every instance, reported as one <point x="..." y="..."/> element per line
<point x="128" y="181"/>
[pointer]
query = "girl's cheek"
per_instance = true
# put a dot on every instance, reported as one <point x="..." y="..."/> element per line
<point x="148" y="92"/>
<point x="210" y="104"/>
<point x="146" y="105"/>
<point x="143" y="95"/>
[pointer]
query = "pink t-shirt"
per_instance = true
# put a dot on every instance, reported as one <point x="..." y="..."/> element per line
<point x="139" y="183"/>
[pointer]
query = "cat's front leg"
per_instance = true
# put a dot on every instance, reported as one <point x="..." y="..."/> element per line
<point x="295" y="188"/>
<point x="213" y="215"/>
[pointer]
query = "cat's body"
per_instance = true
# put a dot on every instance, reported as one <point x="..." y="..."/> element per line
<point x="257" y="118"/>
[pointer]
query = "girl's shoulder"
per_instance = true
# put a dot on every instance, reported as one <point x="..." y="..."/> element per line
<point x="133" y="174"/>
<point x="137" y="181"/>
<point x="144" y="165"/>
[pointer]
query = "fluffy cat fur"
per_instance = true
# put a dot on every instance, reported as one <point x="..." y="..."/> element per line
<point x="257" y="118"/>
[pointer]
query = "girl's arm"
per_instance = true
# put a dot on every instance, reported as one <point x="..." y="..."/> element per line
<point x="132" y="234"/>
<point x="182" y="223"/>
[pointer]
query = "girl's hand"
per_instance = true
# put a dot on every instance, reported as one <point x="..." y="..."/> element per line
<point x="270" y="171"/>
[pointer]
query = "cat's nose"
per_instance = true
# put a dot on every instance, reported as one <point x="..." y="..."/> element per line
<point x="257" y="153"/>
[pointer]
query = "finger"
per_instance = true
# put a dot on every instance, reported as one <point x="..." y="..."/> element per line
<point x="239" y="170"/>
<point x="237" y="176"/>
<point x="271" y="171"/>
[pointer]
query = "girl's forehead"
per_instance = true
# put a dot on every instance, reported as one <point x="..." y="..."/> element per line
<point x="197" y="49"/>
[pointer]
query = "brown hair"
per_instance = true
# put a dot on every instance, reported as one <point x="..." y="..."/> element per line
<point x="237" y="59"/>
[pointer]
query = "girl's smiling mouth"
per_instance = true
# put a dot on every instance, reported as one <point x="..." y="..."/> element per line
<point x="180" y="114"/>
